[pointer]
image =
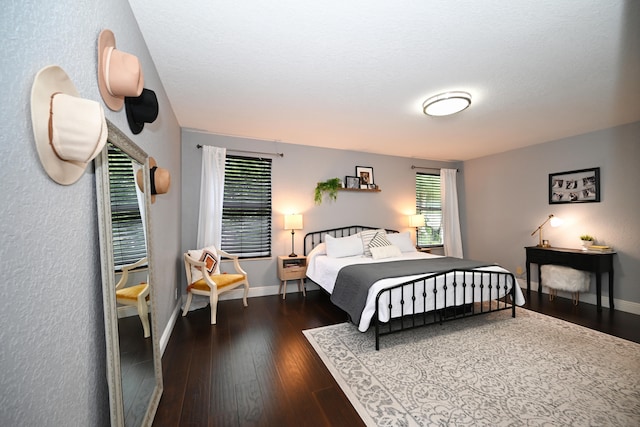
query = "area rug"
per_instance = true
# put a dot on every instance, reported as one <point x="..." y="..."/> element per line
<point x="493" y="370"/>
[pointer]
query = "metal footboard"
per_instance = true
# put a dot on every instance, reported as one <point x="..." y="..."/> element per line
<point x="441" y="297"/>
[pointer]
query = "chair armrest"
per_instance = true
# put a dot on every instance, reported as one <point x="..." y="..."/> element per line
<point x="125" y="272"/>
<point x="236" y="262"/>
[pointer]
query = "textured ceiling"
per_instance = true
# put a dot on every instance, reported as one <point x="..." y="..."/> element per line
<point x="353" y="74"/>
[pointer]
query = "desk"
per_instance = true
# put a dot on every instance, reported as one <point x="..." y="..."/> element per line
<point x="595" y="262"/>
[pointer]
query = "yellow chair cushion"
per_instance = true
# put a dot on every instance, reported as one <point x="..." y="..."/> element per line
<point x="221" y="280"/>
<point x="131" y="292"/>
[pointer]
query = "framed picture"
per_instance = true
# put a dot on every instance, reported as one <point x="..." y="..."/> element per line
<point x="352" y="181"/>
<point x="579" y="186"/>
<point x="365" y="173"/>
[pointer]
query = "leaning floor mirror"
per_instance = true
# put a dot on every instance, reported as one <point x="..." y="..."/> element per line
<point x="134" y="369"/>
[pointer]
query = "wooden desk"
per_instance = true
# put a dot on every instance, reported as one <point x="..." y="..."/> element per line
<point x="595" y="262"/>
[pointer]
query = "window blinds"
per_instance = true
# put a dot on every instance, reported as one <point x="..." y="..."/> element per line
<point x="246" y="211"/>
<point x="129" y="243"/>
<point x="429" y="205"/>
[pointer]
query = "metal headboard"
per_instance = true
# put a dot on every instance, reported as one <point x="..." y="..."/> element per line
<point x="313" y="239"/>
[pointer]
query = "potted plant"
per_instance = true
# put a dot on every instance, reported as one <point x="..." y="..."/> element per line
<point x="587" y="241"/>
<point x="330" y="187"/>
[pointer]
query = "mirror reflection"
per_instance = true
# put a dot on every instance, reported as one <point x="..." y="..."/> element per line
<point x="133" y="360"/>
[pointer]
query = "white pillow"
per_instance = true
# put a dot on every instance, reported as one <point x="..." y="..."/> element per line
<point x="367" y="235"/>
<point x="341" y="247"/>
<point x="320" y="249"/>
<point x="402" y="241"/>
<point x="391" y="251"/>
<point x="210" y="256"/>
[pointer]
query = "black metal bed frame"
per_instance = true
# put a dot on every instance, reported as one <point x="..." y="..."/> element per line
<point x="412" y="291"/>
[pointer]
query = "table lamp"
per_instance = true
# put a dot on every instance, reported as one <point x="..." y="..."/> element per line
<point x="416" y="221"/>
<point x="293" y="222"/>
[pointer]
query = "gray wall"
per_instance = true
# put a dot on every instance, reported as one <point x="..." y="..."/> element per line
<point x="52" y="351"/>
<point x="507" y="198"/>
<point x="294" y="180"/>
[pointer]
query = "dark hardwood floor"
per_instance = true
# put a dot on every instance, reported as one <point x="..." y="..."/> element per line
<point x="255" y="367"/>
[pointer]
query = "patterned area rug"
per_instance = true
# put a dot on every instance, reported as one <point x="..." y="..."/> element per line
<point x="490" y="370"/>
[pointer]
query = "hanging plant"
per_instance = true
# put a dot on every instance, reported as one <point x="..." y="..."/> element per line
<point x="330" y="187"/>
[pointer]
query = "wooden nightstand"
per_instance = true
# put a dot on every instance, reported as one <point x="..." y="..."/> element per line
<point x="292" y="268"/>
<point x="425" y="250"/>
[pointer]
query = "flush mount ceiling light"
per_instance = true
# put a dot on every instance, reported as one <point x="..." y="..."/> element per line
<point x="446" y="103"/>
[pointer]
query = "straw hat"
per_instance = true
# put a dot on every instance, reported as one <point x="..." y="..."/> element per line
<point x="160" y="179"/>
<point x="69" y="131"/>
<point x="119" y="73"/>
<point x="140" y="110"/>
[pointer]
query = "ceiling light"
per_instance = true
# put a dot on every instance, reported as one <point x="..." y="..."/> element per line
<point x="446" y="103"/>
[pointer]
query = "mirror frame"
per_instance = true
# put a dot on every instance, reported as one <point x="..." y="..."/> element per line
<point x="114" y="378"/>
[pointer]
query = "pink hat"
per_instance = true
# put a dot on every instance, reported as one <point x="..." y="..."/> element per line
<point x="69" y="131"/>
<point x="119" y="73"/>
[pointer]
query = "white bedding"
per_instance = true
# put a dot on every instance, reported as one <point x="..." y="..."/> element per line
<point x="323" y="270"/>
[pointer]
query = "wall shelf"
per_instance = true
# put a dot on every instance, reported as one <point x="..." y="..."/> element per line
<point x="365" y="190"/>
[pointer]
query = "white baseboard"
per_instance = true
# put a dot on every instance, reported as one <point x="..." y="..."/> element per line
<point x="166" y="333"/>
<point x="620" y="305"/>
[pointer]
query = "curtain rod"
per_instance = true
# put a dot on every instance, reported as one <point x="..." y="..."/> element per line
<point x="250" y="152"/>
<point x="433" y="169"/>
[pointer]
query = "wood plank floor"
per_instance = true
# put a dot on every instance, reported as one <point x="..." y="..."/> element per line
<point x="255" y="367"/>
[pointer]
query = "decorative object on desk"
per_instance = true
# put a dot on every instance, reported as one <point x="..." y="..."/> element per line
<point x="601" y="248"/>
<point x="587" y="241"/>
<point x="293" y="222"/>
<point x="555" y="222"/>
<point x="330" y="187"/>
<point x="416" y="221"/>
<point x="365" y="173"/>
<point x="578" y="186"/>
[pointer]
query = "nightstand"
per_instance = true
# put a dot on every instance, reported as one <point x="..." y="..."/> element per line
<point x="292" y="268"/>
<point x="425" y="250"/>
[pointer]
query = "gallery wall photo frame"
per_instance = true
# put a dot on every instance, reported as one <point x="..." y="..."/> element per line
<point x="365" y="173"/>
<point x="578" y="186"/>
<point x="352" y="182"/>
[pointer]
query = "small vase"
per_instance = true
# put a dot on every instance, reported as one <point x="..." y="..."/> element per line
<point x="586" y="244"/>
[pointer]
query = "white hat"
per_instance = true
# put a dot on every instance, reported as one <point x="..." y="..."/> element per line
<point x="119" y="73"/>
<point x="69" y="131"/>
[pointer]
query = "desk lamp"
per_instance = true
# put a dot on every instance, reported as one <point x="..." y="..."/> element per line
<point x="554" y="221"/>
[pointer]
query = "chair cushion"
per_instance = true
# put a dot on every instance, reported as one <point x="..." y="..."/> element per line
<point x="222" y="280"/>
<point x="131" y="292"/>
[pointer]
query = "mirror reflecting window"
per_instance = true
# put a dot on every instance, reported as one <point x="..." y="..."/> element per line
<point x="133" y="357"/>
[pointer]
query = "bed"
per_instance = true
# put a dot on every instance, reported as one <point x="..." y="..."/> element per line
<point x="379" y="278"/>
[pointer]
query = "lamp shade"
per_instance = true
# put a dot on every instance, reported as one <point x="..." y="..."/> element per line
<point x="293" y="222"/>
<point x="416" y="220"/>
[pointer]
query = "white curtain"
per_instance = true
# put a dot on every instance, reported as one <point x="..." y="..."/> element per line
<point x="450" y="217"/>
<point x="140" y="195"/>
<point x="211" y="197"/>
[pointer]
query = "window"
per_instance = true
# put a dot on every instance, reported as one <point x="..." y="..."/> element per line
<point x="429" y="205"/>
<point x="246" y="210"/>
<point x="129" y="243"/>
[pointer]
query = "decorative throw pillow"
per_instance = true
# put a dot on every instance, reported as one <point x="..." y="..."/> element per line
<point x="339" y="247"/>
<point x="210" y="256"/>
<point x="402" y="241"/>
<point x="390" y="251"/>
<point x="210" y="260"/>
<point x="379" y="240"/>
<point x="366" y="236"/>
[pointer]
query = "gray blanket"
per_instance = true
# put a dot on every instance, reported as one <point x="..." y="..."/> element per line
<point x="353" y="281"/>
